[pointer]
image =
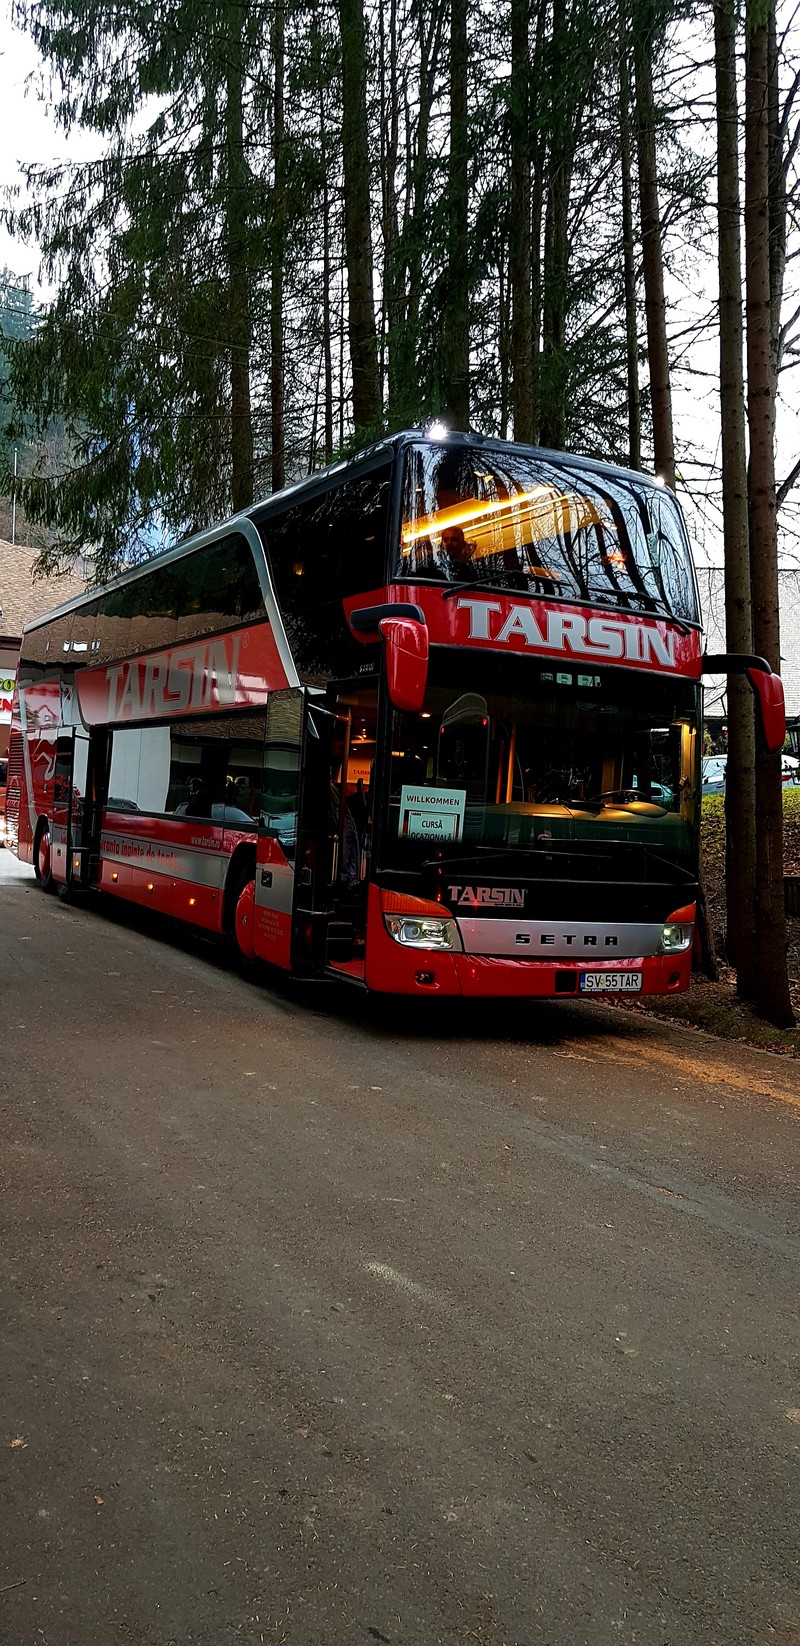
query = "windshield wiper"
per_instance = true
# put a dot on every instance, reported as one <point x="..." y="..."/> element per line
<point x="486" y="582"/>
<point x="622" y="604"/>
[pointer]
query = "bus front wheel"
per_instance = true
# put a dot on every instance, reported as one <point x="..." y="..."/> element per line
<point x="42" y="859"/>
<point x="244" y="920"/>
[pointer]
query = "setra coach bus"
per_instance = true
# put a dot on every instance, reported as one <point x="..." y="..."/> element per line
<point x="429" y="721"/>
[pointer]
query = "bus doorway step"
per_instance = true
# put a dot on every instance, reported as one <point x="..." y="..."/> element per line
<point x="351" y="971"/>
<point x="341" y="941"/>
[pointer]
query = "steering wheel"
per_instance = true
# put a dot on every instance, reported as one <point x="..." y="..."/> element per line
<point x="615" y="794"/>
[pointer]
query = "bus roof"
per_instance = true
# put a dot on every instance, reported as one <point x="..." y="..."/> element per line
<point x="321" y="480"/>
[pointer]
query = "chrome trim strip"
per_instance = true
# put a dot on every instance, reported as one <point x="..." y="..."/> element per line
<point x="249" y="530"/>
<point x="559" y="939"/>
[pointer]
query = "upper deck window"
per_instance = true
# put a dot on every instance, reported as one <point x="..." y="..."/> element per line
<point x="211" y="588"/>
<point x="321" y="549"/>
<point x="539" y="527"/>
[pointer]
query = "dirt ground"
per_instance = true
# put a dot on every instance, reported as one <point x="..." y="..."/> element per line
<point x="715" y="1006"/>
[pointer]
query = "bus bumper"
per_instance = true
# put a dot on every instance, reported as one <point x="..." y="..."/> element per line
<point x="483" y="975"/>
<point x="391" y="968"/>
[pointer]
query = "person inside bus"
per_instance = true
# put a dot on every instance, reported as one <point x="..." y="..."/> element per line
<point x="359" y="809"/>
<point x="456" y="552"/>
<point x="200" y="798"/>
<point x="457" y="559"/>
<point x="349" y="869"/>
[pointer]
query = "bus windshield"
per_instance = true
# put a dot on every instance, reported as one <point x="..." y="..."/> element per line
<point x="541" y="527"/>
<point x="533" y="759"/>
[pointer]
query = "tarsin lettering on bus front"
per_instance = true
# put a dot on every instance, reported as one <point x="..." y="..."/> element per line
<point x="598" y="637"/>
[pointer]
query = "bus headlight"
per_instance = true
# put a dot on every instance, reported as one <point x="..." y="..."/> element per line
<point x="675" y="937"/>
<point x="423" y="931"/>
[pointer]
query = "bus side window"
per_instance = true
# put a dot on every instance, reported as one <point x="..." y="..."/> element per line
<point x="280" y="776"/>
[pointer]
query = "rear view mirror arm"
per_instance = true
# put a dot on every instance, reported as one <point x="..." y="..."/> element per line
<point x="767" y="686"/>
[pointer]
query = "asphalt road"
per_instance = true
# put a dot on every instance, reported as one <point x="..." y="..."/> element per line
<point x="329" y="1324"/>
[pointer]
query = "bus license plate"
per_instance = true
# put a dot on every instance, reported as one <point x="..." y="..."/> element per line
<point x="604" y="982"/>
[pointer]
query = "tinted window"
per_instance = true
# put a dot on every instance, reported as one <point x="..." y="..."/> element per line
<point x="542" y="527"/>
<point x="321" y="550"/>
<point x="207" y="590"/>
<point x="282" y="768"/>
<point x="208" y="769"/>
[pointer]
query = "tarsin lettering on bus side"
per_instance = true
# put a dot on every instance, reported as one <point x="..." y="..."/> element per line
<point x="193" y="677"/>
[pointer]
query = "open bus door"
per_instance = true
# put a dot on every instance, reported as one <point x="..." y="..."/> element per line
<point x="310" y="889"/>
<point x="69" y="801"/>
<point x="330" y="898"/>
<point x="295" y="857"/>
<point x="78" y="797"/>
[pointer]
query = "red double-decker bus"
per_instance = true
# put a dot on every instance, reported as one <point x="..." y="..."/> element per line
<point x="428" y="721"/>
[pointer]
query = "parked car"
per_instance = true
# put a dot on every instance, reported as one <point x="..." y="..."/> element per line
<point x="714" y="773"/>
<point x="714" y="766"/>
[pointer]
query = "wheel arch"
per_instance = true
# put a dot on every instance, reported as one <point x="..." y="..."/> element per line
<point x="242" y="867"/>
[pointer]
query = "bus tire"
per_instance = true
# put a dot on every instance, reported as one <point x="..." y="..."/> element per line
<point x="244" y="910"/>
<point x="42" y="858"/>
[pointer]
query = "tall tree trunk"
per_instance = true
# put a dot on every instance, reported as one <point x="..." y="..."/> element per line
<point x="327" y="343"/>
<point x="772" y="987"/>
<point x="504" y="335"/>
<point x="537" y="95"/>
<point x="408" y="391"/>
<point x="553" y="375"/>
<point x="367" y="407"/>
<point x="327" y="275"/>
<point x="455" y="341"/>
<point x="520" y="236"/>
<point x="236" y="214"/>
<point x="390" y="142"/>
<point x="277" y="251"/>
<point x="655" y="306"/>
<point x="628" y="258"/>
<point x="740" y="849"/>
<point x="777" y="202"/>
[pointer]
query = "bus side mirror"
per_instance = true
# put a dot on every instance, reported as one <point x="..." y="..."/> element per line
<point x="404" y="632"/>
<point x="406" y="642"/>
<point x="768" y="689"/>
<point x="771" y="707"/>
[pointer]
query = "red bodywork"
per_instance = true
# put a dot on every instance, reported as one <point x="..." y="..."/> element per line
<point x="185" y="867"/>
<point x="542" y="628"/>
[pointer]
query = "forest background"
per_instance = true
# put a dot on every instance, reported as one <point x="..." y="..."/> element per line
<point x="301" y="225"/>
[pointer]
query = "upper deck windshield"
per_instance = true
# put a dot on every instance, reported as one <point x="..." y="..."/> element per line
<point x="541" y="527"/>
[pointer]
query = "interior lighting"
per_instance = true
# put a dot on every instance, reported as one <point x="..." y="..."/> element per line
<point x="465" y="514"/>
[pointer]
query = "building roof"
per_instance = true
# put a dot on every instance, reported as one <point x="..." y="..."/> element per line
<point x="22" y="597"/>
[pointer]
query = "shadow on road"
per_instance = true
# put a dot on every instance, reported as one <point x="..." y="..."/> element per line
<point x="541" y="1023"/>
